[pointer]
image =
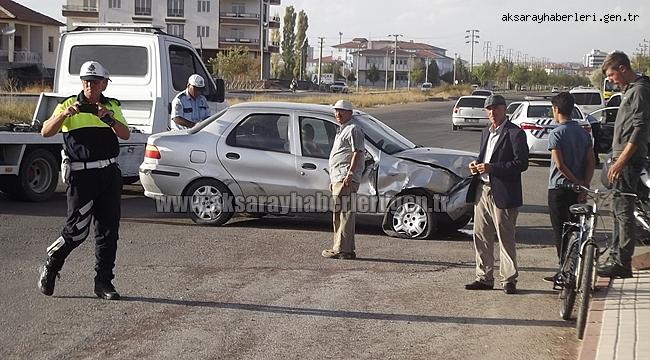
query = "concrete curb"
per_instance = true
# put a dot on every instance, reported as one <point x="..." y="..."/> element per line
<point x="589" y="346"/>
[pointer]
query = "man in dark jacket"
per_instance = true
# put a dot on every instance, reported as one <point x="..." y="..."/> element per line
<point x="496" y="192"/>
<point x="629" y="148"/>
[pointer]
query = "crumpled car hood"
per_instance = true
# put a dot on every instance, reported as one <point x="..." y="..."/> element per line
<point x="456" y="161"/>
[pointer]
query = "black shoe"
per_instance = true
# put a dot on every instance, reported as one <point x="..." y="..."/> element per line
<point x="348" y="256"/>
<point x="510" y="288"/>
<point x="615" y="271"/>
<point x="477" y="285"/>
<point x="47" y="280"/>
<point x="106" y="290"/>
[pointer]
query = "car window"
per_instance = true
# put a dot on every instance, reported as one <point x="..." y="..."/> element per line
<point x="539" y="111"/>
<point x="481" y="93"/>
<point x="316" y="137"/>
<point x="138" y="64"/>
<point x="614" y="101"/>
<point x="267" y="132"/>
<point x="512" y="107"/>
<point x="474" y="102"/>
<point x="382" y="136"/>
<point x="587" y="98"/>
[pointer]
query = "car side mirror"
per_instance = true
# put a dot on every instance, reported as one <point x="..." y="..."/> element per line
<point x="219" y="93"/>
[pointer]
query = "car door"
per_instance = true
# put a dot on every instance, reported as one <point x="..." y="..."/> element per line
<point x="316" y="136"/>
<point x="607" y="117"/>
<point x="257" y="154"/>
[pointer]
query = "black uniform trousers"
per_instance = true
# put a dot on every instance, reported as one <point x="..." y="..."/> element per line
<point x="95" y="195"/>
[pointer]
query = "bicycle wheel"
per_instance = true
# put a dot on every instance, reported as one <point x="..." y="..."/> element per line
<point x="568" y="271"/>
<point x="585" y="288"/>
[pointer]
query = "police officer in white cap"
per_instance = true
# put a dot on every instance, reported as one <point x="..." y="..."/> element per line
<point x="91" y="125"/>
<point x="190" y="106"/>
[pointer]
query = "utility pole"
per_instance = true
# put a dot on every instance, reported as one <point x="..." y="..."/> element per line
<point x="499" y="51"/>
<point x="472" y="36"/>
<point x="643" y="46"/>
<point x="395" y="59"/>
<point x="386" y="67"/>
<point x="518" y="57"/>
<point x="320" y="60"/>
<point x="487" y="46"/>
<point x="455" y="59"/>
<point x="510" y="55"/>
<point x="261" y="41"/>
<point x="426" y="70"/>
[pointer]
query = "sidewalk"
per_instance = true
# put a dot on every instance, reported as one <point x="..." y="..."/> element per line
<point x="618" y="325"/>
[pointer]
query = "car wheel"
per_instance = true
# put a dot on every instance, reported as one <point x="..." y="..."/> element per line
<point x="409" y="217"/>
<point x="454" y="127"/>
<point x="211" y="202"/>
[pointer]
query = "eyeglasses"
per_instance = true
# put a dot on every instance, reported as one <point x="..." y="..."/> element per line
<point x="91" y="82"/>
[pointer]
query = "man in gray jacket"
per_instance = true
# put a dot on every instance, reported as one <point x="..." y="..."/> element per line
<point x="629" y="147"/>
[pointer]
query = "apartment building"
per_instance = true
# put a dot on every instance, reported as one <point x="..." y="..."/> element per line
<point x="210" y="25"/>
<point x="595" y="58"/>
<point x="381" y="55"/>
<point x="28" y="43"/>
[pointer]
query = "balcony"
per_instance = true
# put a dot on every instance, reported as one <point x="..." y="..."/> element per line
<point x="274" y="47"/>
<point x="274" y="22"/>
<point x="23" y="57"/>
<point x="232" y="18"/>
<point x="90" y="11"/>
<point x="274" y="2"/>
<point x="229" y="42"/>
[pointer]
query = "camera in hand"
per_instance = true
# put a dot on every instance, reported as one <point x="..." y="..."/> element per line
<point x="88" y="108"/>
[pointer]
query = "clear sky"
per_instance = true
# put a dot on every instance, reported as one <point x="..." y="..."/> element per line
<point x="443" y="23"/>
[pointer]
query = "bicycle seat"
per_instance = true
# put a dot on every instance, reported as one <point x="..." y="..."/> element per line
<point x="581" y="209"/>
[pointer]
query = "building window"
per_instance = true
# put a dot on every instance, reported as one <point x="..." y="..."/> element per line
<point x="50" y="43"/>
<point x="175" y="8"/>
<point x="90" y="5"/>
<point x="239" y="8"/>
<point x="176" y="30"/>
<point x="114" y="4"/>
<point x="203" y="6"/>
<point x="143" y="7"/>
<point x="203" y="31"/>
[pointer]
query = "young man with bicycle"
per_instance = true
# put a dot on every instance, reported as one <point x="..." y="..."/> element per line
<point x="629" y="148"/>
<point x="572" y="162"/>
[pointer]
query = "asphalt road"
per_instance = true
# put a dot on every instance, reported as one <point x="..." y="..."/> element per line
<point x="258" y="288"/>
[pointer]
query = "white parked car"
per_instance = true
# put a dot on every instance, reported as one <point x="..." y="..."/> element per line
<point x="469" y="111"/>
<point x="588" y="99"/>
<point x="535" y="117"/>
<point x="426" y="86"/>
<point x="339" y="87"/>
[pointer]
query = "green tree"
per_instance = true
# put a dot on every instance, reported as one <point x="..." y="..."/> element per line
<point x="276" y="59"/>
<point x="519" y="75"/>
<point x="597" y="78"/>
<point x="434" y="73"/>
<point x="373" y="74"/>
<point x="641" y="64"/>
<point x="301" y="44"/>
<point x="288" y="42"/>
<point x="235" y="64"/>
<point x="417" y="73"/>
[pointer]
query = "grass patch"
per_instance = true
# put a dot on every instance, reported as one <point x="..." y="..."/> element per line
<point x="368" y="99"/>
<point x="15" y="110"/>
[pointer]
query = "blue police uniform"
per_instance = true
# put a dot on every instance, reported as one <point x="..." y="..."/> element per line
<point x="94" y="189"/>
<point x="188" y="108"/>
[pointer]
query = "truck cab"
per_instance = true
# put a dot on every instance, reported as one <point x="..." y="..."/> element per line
<point x="147" y="69"/>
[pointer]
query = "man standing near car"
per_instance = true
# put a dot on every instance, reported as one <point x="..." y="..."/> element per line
<point x="629" y="149"/>
<point x="496" y="192"/>
<point x="345" y="168"/>
<point x="91" y="124"/>
<point x="190" y="106"/>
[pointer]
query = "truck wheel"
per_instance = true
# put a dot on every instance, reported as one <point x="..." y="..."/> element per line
<point x="37" y="178"/>
<point x="211" y="204"/>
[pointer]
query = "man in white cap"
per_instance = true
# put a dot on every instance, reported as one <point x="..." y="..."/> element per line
<point x="345" y="168"/>
<point x="190" y="106"/>
<point x="91" y="125"/>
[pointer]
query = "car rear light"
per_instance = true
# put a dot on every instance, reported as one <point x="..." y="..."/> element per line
<point x="151" y="151"/>
<point x="529" y="126"/>
<point x="455" y="110"/>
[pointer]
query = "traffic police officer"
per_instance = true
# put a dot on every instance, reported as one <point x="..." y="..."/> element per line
<point x="190" y="106"/>
<point x="91" y="124"/>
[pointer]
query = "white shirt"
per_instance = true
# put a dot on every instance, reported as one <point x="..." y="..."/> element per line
<point x="491" y="143"/>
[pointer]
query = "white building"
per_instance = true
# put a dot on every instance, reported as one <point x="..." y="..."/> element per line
<point x="595" y="58"/>
<point x="29" y="40"/>
<point x="210" y="25"/>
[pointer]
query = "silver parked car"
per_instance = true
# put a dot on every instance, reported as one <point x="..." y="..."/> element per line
<point x="469" y="111"/>
<point x="273" y="158"/>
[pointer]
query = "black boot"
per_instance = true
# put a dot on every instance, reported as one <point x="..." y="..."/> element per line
<point x="615" y="271"/>
<point x="106" y="290"/>
<point x="47" y="279"/>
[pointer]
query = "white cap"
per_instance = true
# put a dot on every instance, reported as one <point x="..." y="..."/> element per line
<point x="92" y="70"/>
<point x="343" y="105"/>
<point x="196" y="80"/>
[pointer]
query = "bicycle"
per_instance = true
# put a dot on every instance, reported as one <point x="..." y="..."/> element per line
<point x="577" y="275"/>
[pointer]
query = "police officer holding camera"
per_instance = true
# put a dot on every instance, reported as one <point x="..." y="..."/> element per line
<point x="91" y="124"/>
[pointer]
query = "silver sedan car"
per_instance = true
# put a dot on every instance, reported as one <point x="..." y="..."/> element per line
<point x="272" y="158"/>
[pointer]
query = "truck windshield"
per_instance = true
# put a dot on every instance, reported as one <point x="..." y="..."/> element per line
<point x="112" y="58"/>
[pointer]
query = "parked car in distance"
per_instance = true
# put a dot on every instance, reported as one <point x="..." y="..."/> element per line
<point x="535" y="117"/>
<point x="555" y="90"/>
<point x="426" y="86"/>
<point x="588" y="99"/>
<point x="469" y="111"/>
<point x="339" y="87"/>
<point x="482" y="92"/>
<point x="252" y="155"/>
<point x="523" y="88"/>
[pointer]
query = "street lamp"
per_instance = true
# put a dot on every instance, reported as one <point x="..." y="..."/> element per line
<point x="386" y="76"/>
<point x="395" y="59"/>
<point x="359" y="42"/>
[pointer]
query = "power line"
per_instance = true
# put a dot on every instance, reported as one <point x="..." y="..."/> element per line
<point x="472" y="36"/>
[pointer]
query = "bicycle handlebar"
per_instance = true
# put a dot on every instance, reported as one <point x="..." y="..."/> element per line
<point x="581" y="188"/>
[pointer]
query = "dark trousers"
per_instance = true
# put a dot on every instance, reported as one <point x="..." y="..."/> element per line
<point x="595" y="132"/>
<point x="625" y="230"/>
<point x="559" y="201"/>
<point x="92" y="195"/>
